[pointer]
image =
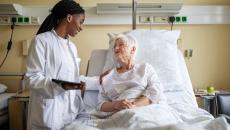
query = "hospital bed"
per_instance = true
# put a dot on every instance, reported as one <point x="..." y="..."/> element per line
<point x="159" y="48"/>
<point x="5" y="95"/>
<point x="4" y="107"/>
<point x="180" y="96"/>
<point x="99" y="57"/>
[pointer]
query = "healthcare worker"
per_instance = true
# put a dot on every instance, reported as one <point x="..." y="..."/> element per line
<point x="53" y="56"/>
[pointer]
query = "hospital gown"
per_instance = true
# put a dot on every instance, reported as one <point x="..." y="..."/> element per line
<point x="141" y="80"/>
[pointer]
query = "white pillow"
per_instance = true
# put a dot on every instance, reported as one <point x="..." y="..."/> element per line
<point x="91" y="83"/>
<point x="110" y="60"/>
<point x="157" y="47"/>
<point x="3" y="88"/>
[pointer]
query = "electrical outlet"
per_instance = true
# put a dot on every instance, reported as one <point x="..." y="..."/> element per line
<point x="178" y="19"/>
<point x="35" y="20"/>
<point x="160" y="19"/>
<point x="145" y="19"/>
<point x="20" y="20"/>
<point x="4" y="20"/>
<point x="13" y="19"/>
<point x="26" y="20"/>
<point x="184" y="19"/>
<point x="188" y="53"/>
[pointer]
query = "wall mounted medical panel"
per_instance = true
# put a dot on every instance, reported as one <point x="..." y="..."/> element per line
<point x="195" y="14"/>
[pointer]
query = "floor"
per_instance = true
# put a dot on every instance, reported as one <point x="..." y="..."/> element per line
<point x="4" y="127"/>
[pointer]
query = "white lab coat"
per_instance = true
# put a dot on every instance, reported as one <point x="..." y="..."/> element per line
<point x="50" y="106"/>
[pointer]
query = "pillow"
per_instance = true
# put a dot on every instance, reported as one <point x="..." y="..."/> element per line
<point x="96" y="62"/>
<point x="158" y="48"/>
<point x="91" y="83"/>
<point x="110" y="59"/>
<point x="3" y="88"/>
<point x="91" y="92"/>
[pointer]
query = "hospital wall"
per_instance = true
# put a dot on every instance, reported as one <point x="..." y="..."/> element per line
<point x="210" y="64"/>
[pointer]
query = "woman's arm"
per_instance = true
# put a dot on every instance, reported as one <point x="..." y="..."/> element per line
<point x="35" y="72"/>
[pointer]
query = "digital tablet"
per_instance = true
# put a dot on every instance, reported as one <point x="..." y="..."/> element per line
<point x="65" y="82"/>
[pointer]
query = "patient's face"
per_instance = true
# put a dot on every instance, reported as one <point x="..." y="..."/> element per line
<point x="121" y="51"/>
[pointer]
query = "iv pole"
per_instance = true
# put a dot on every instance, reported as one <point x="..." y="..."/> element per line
<point x="134" y="13"/>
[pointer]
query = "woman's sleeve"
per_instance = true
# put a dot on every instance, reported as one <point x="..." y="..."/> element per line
<point x="154" y="89"/>
<point x="35" y="72"/>
<point x="102" y="98"/>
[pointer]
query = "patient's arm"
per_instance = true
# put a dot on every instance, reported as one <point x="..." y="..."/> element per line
<point x="102" y="75"/>
<point x="142" y="101"/>
<point x="114" y="106"/>
<point x="153" y="89"/>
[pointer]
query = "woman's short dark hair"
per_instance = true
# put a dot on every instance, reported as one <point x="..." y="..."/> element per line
<point x="60" y="11"/>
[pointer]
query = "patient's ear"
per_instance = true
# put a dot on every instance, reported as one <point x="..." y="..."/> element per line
<point x="133" y="50"/>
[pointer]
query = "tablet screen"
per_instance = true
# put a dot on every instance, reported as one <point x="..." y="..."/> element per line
<point x="65" y="82"/>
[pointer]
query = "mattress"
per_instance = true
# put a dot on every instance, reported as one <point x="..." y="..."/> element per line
<point x="3" y="119"/>
<point x="3" y="107"/>
<point x="4" y="99"/>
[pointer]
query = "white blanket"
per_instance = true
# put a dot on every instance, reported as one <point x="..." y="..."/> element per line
<point x="156" y="117"/>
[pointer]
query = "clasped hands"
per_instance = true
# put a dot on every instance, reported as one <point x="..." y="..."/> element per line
<point x="123" y="104"/>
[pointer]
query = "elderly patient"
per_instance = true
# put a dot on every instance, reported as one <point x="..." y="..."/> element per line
<point x="129" y="85"/>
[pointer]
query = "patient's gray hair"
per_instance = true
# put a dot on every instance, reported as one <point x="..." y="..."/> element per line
<point x="127" y="39"/>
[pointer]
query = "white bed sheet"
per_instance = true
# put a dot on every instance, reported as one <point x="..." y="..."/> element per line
<point x="175" y="116"/>
<point x="3" y="107"/>
<point x="215" y="124"/>
<point x="155" y="117"/>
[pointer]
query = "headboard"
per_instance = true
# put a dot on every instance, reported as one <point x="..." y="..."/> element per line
<point x="97" y="60"/>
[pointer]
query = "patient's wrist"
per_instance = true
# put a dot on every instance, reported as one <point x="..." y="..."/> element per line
<point x="115" y="106"/>
<point x="142" y="101"/>
<point x="108" y="107"/>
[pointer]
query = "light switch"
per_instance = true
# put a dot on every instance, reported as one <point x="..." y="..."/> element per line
<point x="188" y="53"/>
<point x="25" y="47"/>
<point x="161" y="19"/>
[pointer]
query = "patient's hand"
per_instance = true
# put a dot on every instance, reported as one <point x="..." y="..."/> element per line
<point x="115" y="106"/>
<point x="142" y="101"/>
<point x="102" y="75"/>
<point x="123" y="104"/>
